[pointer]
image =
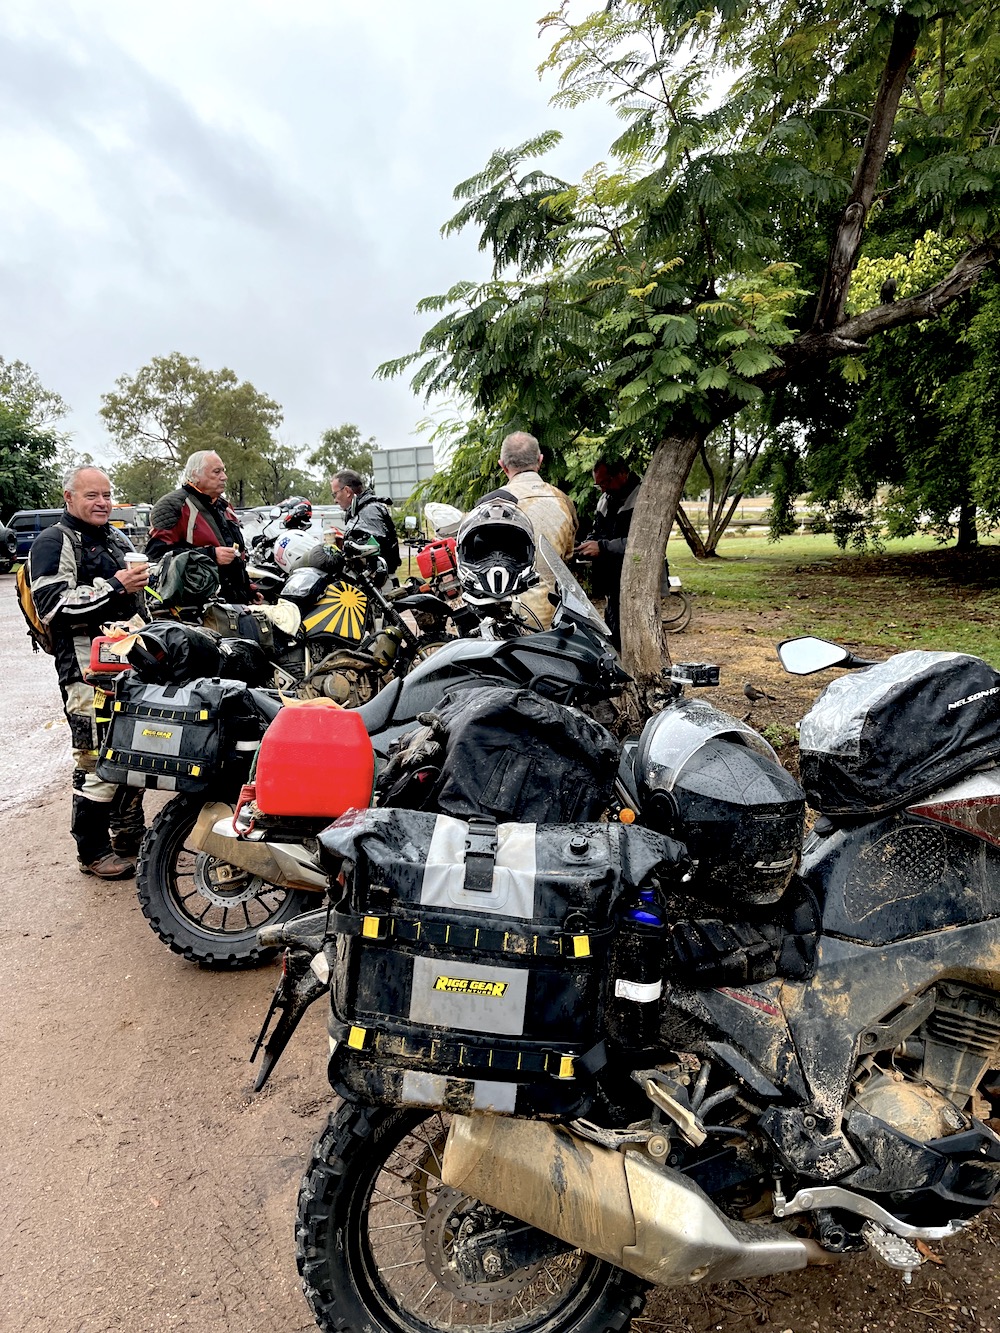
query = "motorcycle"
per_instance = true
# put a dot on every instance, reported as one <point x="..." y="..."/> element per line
<point x="207" y="883"/>
<point x="719" y="1116"/>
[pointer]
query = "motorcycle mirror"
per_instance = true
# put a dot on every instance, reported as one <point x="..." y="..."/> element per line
<point x="801" y="657"/>
<point x="274" y="512"/>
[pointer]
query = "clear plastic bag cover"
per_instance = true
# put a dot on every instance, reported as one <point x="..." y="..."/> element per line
<point x="836" y="720"/>
<point x="679" y="732"/>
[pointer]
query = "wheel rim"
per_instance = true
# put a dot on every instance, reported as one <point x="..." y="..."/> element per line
<point x="403" y="1226"/>
<point x="216" y="898"/>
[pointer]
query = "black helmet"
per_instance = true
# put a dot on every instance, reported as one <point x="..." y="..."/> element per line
<point x="296" y="511"/>
<point x="495" y="553"/>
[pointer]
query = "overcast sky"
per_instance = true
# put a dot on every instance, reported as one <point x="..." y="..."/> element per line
<point x="259" y="184"/>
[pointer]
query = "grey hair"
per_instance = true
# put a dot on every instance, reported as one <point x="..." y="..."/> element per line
<point x="520" y="452"/>
<point x="195" y="464"/>
<point x="69" y="477"/>
<point x="348" y="477"/>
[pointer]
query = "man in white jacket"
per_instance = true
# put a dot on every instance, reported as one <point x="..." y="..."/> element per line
<point x="551" y="513"/>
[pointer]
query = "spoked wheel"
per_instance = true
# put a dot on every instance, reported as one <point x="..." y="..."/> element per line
<point x="676" y="611"/>
<point x="202" y="907"/>
<point x="382" y="1244"/>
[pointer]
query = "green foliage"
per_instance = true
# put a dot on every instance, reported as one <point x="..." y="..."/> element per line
<point x="342" y="447"/>
<point x="661" y="296"/>
<point x="174" y="407"/>
<point x="29" y="446"/>
<point x="142" y="480"/>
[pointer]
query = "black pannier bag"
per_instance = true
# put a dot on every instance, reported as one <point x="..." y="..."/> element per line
<point x="504" y="752"/>
<point x="471" y="959"/>
<point x="882" y="738"/>
<point x="167" y="652"/>
<point x="193" y="738"/>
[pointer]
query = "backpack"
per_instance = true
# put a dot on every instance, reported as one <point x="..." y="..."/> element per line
<point x="39" y="631"/>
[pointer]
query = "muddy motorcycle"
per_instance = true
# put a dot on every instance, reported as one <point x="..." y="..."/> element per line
<point x="530" y="1144"/>
<point x="340" y="631"/>
<point x="206" y="886"/>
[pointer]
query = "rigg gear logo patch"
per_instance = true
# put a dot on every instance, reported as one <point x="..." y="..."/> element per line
<point x="159" y="735"/>
<point x="493" y="990"/>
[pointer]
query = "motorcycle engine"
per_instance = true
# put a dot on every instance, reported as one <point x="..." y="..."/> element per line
<point x="916" y="1116"/>
<point x="917" y="1109"/>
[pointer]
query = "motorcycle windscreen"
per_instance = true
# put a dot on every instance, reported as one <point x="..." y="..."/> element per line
<point x="669" y="740"/>
<point x="572" y="598"/>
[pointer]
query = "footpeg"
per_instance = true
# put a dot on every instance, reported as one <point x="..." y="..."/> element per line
<point x="893" y="1251"/>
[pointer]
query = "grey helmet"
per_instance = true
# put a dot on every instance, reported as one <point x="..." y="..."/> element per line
<point x="495" y="553"/>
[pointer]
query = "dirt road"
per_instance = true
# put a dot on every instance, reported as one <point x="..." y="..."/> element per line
<point x="143" y="1189"/>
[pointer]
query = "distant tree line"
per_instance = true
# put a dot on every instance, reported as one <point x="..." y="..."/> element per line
<point x="156" y="417"/>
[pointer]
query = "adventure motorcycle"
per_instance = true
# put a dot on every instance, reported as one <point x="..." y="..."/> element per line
<point x="206" y="884"/>
<point x="550" y="1112"/>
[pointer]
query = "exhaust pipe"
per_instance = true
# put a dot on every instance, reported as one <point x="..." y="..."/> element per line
<point x="621" y="1207"/>
<point x="285" y="865"/>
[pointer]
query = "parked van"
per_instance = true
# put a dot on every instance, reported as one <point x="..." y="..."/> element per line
<point x="28" y="523"/>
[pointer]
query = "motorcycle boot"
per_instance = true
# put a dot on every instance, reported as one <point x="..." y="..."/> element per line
<point x="127" y="824"/>
<point x="90" y="826"/>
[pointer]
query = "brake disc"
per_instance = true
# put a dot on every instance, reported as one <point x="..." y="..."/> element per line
<point x="442" y="1234"/>
<point x="224" y="885"/>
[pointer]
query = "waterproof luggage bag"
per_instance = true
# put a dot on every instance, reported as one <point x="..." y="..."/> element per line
<point x="471" y="958"/>
<point x="879" y="739"/>
<point x="186" y="738"/>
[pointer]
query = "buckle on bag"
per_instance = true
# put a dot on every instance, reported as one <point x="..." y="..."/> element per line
<point x="480" y="854"/>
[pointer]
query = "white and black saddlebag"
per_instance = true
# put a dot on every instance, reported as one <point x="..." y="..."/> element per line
<point x="879" y="739"/>
<point x="186" y="738"/>
<point x="471" y="959"/>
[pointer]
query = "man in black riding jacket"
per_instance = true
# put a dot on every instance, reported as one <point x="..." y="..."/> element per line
<point x="367" y="516"/>
<point x="605" y="545"/>
<point x="79" y="582"/>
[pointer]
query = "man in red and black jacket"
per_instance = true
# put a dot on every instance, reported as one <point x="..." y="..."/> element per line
<point x="197" y="516"/>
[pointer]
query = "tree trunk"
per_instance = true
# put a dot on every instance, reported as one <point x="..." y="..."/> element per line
<point x="692" y="536"/>
<point x="659" y="496"/>
<point x="968" y="534"/>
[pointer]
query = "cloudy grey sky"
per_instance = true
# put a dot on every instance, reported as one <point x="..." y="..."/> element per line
<point x="258" y="183"/>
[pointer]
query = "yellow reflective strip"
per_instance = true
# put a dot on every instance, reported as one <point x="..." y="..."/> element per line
<point x="203" y="715"/>
<point x="118" y="708"/>
<point x="581" y="946"/>
<point x="370" y="928"/>
<point x="196" y="770"/>
<point x="356" y="1038"/>
<point x="565" y="1067"/>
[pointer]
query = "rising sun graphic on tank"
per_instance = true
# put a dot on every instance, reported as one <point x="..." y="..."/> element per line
<point x="341" y="610"/>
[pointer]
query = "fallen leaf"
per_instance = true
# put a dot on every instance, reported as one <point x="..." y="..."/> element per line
<point x="928" y="1253"/>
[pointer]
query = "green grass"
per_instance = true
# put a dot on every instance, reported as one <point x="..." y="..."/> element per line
<point x="914" y="595"/>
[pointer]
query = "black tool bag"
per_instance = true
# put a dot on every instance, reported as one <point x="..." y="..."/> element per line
<point x="470" y="960"/>
<point x="195" y="738"/>
<point x="507" y="753"/>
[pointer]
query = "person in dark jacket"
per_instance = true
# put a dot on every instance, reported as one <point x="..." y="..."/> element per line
<point x="198" y="517"/>
<point x="79" y="582"/>
<point x="367" y="516"/>
<point x="605" y="545"/>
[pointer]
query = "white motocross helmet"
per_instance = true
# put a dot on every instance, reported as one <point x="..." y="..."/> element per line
<point x="291" y="549"/>
<point x="495" y="553"/>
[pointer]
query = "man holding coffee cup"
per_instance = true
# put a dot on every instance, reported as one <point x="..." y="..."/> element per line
<point x="84" y="573"/>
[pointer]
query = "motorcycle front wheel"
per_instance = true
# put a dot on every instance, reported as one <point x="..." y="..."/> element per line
<point x="202" y="908"/>
<point x="376" y="1237"/>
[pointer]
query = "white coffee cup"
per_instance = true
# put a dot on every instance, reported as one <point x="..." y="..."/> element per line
<point x="134" y="559"/>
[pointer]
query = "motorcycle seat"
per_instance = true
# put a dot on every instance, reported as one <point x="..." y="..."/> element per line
<point x="377" y="713"/>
